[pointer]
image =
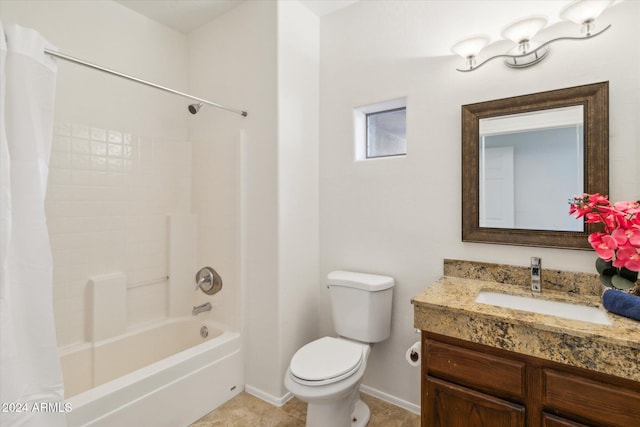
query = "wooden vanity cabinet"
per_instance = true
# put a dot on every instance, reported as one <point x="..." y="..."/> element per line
<point x="471" y="385"/>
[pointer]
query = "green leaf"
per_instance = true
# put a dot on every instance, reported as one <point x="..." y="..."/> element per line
<point x="621" y="283"/>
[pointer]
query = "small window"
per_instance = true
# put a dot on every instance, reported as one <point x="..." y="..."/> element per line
<point x="387" y="133"/>
<point x="381" y="130"/>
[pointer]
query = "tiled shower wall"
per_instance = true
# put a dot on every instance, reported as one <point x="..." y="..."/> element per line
<point x="108" y="195"/>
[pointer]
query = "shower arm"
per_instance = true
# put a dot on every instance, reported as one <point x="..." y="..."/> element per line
<point x="144" y="82"/>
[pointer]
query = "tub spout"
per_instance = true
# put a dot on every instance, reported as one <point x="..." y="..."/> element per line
<point x="201" y="308"/>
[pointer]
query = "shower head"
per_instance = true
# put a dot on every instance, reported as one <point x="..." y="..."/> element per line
<point x="194" y="108"/>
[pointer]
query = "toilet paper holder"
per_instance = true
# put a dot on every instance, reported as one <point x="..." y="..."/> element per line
<point x="414" y="355"/>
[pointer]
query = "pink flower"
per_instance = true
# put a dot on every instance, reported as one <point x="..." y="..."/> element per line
<point x="604" y="245"/>
<point x="628" y="207"/>
<point x="633" y="234"/>
<point x="620" y="236"/>
<point x="620" y="241"/>
<point x="628" y="258"/>
<point x="629" y="236"/>
<point x="586" y="203"/>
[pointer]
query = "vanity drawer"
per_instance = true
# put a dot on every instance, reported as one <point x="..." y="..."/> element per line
<point x="606" y="404"/>
<point x="486" y="372"/>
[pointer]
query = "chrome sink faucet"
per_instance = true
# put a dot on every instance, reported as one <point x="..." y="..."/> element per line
<point x="536" y="274"/>
<point x="201" y="308"/>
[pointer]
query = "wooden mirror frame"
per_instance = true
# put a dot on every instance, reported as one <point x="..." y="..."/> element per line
<point x="595" y="101"/>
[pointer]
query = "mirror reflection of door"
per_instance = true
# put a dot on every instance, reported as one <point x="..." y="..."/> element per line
<point x="496" y="187"/>
<point x="531" y="164"/>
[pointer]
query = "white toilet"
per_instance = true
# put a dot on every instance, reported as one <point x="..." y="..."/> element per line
<point x="327" y="372"/>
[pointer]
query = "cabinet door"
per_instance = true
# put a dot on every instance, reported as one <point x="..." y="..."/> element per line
<point x="553" y="421"/>
<point x="450" y="405"/>
<point x="596" y="401"/>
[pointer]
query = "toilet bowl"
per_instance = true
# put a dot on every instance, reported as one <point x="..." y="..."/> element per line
<point x="326" y="373"/>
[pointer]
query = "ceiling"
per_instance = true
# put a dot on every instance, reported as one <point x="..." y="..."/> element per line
<point x="187" y="15"/>
<point x="428" y="28"/>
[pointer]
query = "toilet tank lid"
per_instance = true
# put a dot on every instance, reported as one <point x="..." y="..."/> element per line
<point x="364" y="281"/>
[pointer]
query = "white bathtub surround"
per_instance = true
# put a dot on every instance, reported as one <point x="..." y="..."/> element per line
<point x="89" y="365"/>
<point x="167" y="365"/>
<point x="121" y="159"/>
<point x="108" y="311"/>
<point x="107" y="203"/>
<point x="29" y="365"/>
<point x="183" y="232"/>
<point x="264" y="54"/>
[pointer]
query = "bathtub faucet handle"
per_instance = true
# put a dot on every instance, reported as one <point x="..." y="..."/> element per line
<point x="208" y="280"/>
<point x="201" y="283"/>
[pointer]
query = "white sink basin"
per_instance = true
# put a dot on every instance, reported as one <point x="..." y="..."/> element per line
<point x="542" y="306"/>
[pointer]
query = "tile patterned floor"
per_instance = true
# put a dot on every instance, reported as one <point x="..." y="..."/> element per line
<point x="245" y="410"/>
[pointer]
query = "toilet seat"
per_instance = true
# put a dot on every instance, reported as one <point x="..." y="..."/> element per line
<point x="325" y="361"/>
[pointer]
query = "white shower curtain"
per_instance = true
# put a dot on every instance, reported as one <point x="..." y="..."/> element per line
<point x="31" y="389"/>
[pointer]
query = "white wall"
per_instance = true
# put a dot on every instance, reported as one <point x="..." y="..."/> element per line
<point x="401" y="216"/>
<point x="234" y="57"/>
<point x="257" y="194"/>
<point x="298" y="210"/>
<point x="120" y="159"/>
<point x="232" y="62"/>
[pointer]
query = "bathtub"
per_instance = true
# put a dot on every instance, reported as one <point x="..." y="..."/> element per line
<point x="162" y="375"/>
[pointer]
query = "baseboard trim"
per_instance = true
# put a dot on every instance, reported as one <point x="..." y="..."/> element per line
<point x="269" y="398"/>
<point x="411" y="407"/>
<point x="279" y="401"/>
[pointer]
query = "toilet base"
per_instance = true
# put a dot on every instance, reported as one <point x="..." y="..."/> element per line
<point x="361" y="414"/>
<point x="350" y="411"/>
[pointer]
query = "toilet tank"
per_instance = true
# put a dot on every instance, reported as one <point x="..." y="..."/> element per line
<point x="361" y="305"/>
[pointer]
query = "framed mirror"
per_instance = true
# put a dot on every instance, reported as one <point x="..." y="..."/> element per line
<point x="525" y="157"/>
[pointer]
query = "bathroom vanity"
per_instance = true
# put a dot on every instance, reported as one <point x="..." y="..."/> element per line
<point x="485" y="365"/>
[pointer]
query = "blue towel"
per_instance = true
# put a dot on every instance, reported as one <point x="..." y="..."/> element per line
<point x="622" y="303"/>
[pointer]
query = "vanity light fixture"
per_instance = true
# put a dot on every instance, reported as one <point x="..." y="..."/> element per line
<point x="528" y="52"/>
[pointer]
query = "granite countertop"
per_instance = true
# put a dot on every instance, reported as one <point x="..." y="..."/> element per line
<point x="447" y="307"/>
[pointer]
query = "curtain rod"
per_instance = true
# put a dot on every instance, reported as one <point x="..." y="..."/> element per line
<point x="135" y="79"/>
